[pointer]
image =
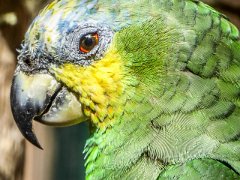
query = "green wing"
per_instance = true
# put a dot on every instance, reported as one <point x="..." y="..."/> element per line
<point x="200" y="117"/>
<point x="195" y="114"/>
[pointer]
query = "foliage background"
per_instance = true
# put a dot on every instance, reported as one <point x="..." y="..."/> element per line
<point x="62" y="157"/>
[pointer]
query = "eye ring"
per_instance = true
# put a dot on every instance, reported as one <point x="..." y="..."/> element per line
<point x="88" y="42"/>
<point x="71" y="43"/>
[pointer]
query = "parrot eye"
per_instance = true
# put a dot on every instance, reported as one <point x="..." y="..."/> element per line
<point x="88" y="42"/>
<point x="85" y="43"/>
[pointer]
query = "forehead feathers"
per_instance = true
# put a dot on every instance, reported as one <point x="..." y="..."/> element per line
<point x="61" y="17"/>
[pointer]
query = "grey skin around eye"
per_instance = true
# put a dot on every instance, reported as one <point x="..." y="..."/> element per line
<point x="70" y="49"/>
<point x="67" y="50"/>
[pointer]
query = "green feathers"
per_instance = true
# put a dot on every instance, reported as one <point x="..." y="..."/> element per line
<point x="161" y="87"/>
<point x="185" y="59"/>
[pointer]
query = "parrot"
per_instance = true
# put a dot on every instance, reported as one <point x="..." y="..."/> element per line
<point x="158" y="81"/>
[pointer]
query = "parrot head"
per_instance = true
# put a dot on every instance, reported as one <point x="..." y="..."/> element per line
<point x="84" y="60"/>
<point x="157" y="80"/>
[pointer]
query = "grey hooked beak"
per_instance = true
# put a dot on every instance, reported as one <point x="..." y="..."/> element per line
<point x="40" y="97"/>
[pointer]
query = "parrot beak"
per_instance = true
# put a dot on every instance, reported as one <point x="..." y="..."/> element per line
<point x="40" y="97"/>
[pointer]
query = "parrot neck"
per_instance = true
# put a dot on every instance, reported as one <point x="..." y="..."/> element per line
<point x="127" y="137"/>
<point x="105" y="150"/>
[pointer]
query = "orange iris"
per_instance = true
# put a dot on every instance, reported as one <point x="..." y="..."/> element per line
<point x="88" y="42"/>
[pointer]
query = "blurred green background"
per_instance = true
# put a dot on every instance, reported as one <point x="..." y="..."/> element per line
<point x="62" y="157"/>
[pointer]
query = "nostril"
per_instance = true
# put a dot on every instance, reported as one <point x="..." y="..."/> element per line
<point x="28" y="62"/>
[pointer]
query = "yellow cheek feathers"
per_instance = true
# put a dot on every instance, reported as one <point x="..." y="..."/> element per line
<point x="99" y="86"/>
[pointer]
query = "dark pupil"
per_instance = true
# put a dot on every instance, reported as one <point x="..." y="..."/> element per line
<point x="88" y="42"/>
